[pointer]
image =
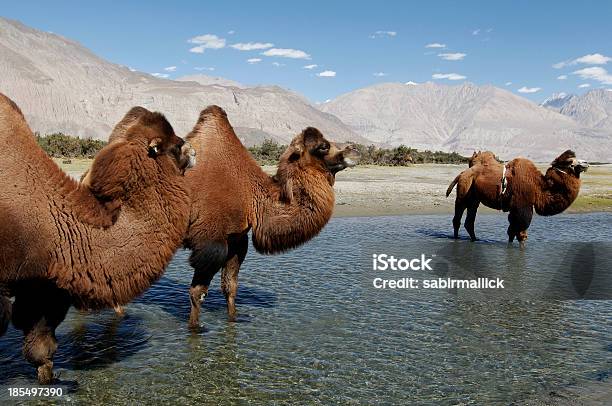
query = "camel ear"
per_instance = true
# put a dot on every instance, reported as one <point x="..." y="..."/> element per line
<point x="295" y="152"/>
<point x="154" y="147"/>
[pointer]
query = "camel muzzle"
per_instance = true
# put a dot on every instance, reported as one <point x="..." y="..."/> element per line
<point x="582" y="165"/>
<point x="350" y="156"/>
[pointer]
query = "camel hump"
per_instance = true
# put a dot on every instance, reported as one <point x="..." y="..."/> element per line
<point x="9" y="106"/>
<point x="213" y="129"/>
<point x="214" y="110"/>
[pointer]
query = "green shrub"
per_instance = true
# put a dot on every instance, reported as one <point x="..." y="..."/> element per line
<point x="269" y="152"/>
<point x="60" y="145"/>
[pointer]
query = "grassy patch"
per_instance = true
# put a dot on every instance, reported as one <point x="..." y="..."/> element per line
<point x="592" y="203"/>
<point x="74" y="165"/>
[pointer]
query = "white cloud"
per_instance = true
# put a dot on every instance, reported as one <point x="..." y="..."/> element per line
<point x="435" y="45"/>
<point x="253" y="60"/>
<point x="277" y="64"/>
<point x="327" y="74"/>
<point x="310" y="66"/>
<point x="529" y="89"/>
<point x="449" y="76"/>
<point x="453" y="56"/>
<point x="231" y="32"/>
<point x="476" y="31"/>
<point x="562" y="77"/>
<point x="131" y="69"/>
<point x="381" y="33"/>
<point x="594" y="59"/>
<point x="582" y="86"/>
<point x="201" y="68"/>
<point x="160" y="75"/>
<point x="170" y="69"/>
<point x="411" y="83"/>
<point x="286" y="53"/>
<point x="508" y="83"/>
<point x="206" y="41"/>
<point x="590" y="59"/>
<point x="379" y="74"/>
<point x="595" y="73"/>
<point x="251" y="46"/>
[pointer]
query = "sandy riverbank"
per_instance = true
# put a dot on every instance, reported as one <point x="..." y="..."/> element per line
<point x="419" y="189"/>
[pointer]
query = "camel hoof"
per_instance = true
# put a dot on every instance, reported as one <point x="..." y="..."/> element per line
<point x="45" y="374"/>
<point x="119" y="310"/>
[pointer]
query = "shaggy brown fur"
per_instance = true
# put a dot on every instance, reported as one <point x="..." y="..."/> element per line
<point x="284" y="210"/>
<point x="63" y="244"/>
<point x="527" y="189"/>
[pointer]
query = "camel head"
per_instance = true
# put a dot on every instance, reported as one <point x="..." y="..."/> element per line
<point x="311" y="152"/>
<point x="568" y="164"/>
<point x="184" y="153"/>
<point x="143" y="146"/>
<point x="311" y="148"/>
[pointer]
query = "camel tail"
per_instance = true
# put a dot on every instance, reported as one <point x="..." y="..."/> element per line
<point x="452" y="185"/>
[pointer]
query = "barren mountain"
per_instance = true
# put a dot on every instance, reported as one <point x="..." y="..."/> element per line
<point x="62" y="86"/>
<point x="210" y="80"/>
<point x="592" y="109"/>
<point x="464" y="118"/>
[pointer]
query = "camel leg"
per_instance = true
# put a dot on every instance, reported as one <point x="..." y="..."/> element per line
<point x="520" y="219"/>
<point x="470" y="218"/>
<point x="206" y="260"/>
<point x="459" y="209"/>
<point x="229" y="275"/>
<point x="38" y="311"/>
<point x="5" y="312"/>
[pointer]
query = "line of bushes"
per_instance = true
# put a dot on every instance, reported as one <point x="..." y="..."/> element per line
<point x="269" y="152"/>
<point x="60" y="145"/>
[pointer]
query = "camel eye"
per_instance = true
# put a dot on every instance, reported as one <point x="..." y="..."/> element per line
<point x="323" y="148"/>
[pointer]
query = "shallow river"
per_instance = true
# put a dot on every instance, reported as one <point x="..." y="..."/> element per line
<point x="313" y="329"/>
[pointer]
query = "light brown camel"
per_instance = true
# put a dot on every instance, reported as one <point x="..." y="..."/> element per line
<point x="518" y="188"/>
<point x="284" y="210"/>
<point x="64" y="244"/>
<point x="479" y="183"/>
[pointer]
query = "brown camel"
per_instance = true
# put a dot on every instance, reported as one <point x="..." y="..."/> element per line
<point x="64" y="244"/>
<point x="518" y="188"/>
<point x="479" y="183"/>
<point x="284" y="210"/>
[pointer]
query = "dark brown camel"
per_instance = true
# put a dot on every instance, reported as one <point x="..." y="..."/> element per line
<point x="283" y="211"/>
<point x="64" y="244"/>
<point x="517" y="188"/>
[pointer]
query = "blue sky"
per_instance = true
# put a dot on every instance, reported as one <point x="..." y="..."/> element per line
<point x="509" y="44"/>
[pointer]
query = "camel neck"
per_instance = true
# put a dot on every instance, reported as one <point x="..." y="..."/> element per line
<point x="280" y="225"/>
<point x="558" y="190"/>
<point x="102" y="267"/>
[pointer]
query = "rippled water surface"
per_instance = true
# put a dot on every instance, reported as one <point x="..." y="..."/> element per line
<point x="312" y="329"/>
